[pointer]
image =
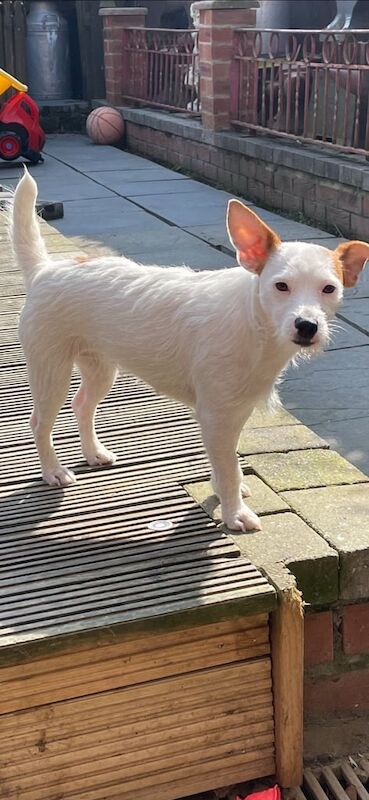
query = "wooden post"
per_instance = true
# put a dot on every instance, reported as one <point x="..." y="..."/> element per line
<point x="287" y="635"/>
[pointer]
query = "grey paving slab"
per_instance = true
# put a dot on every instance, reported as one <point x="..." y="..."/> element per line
<point x="196" y="257"/>
<point x="214" y="234"/>
<point x="92" y="217"/>
<point x="68" y="186"/>
<point x="330" y="395"/>
<point x="356" y="311"/>
<point x="341" y="515"/>
<point x="156" y="234"/>
<point x="137" y="182"/>
<point x="49" y="167"/>
<point x="289" y="229"/>
<point x="119" y="179"/>
<point x="345" y="335"/>
<point x="186" y="210"/>
<point x="91" y="159"/>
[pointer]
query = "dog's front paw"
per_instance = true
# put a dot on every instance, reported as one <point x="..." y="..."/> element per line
<point x="59" y="476"/>
<point x="100" y="457"/>
<point x="242" y="520"/>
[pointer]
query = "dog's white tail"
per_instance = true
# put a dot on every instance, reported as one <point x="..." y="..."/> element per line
<point x="25" y="235"/>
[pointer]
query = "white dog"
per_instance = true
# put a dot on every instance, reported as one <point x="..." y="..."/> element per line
<point x="215" y="341"/>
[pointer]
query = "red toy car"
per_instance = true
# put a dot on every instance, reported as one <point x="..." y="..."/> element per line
<point x="20" y="130"/>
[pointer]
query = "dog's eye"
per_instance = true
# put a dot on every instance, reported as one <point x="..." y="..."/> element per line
<point x="281" y="286"/>
<point x="329" y="289"/>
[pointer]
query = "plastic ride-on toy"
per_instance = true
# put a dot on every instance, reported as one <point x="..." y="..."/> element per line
<point x="20" y="130"/>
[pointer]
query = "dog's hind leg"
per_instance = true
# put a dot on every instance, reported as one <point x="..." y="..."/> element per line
<point x="98" y="377"/>
<point x="49" y="379"/>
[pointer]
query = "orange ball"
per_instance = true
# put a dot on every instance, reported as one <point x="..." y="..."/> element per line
<point x="105" y="125"/>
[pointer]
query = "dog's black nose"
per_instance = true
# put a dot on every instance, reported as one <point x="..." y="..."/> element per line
<point x="305" y="328"/>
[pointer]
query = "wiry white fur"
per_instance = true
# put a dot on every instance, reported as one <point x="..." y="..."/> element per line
<point x="216" y="341"/>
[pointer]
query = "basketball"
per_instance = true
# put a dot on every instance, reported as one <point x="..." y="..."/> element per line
<point x="105" y="125"/>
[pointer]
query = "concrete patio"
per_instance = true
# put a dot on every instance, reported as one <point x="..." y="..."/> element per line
<point x="123" y="203"/>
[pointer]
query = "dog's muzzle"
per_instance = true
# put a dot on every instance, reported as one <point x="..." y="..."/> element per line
<point x="305" y="332"/>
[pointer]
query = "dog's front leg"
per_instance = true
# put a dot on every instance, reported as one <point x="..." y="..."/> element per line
<point x="220" y="436"/>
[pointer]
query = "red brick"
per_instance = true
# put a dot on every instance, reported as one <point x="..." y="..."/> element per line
<point x="332" y="694"/>
<point x="218" y="72"/>
<point x="318" y="638"/>
<point x="222" y="16"/>
<point x="213" y="51"/>
<point x="215" y="105"/>
<point x="355" y="629"/>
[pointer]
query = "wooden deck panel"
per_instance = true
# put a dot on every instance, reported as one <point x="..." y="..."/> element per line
<point x="131" y="659"/>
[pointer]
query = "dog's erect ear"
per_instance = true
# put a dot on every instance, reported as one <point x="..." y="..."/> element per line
<point x="352" y="256"/>
<point x="251" y="237"/>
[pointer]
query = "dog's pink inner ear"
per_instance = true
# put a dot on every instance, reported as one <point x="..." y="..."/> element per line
<point x="352" y="256"/>
<point x="251" y="237"/>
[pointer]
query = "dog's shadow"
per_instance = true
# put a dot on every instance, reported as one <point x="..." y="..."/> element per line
<point x="66" y="563"/>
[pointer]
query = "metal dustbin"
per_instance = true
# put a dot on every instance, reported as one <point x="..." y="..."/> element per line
<point x="48" y="55"/>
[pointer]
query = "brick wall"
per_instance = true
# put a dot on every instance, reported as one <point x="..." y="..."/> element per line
<point x="337" y="661"/>
<point x="326" y="189"/>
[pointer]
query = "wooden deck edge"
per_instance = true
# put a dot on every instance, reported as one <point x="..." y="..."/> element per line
<point x="53" y="645"/>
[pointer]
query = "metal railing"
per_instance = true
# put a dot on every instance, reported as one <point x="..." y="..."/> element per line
<point x="310" y="86"/>
<point x="161" y="68"/>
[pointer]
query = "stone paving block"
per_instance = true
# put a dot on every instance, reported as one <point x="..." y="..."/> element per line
<point x="341" y="515"/>
<point x="349" y="435"/>
<point x="262" y="418"/>
<point x="284" y="438"/>
<point x="302" y="469"/>
<point x="263" y="500"/>
<point x="287" y="539"/>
